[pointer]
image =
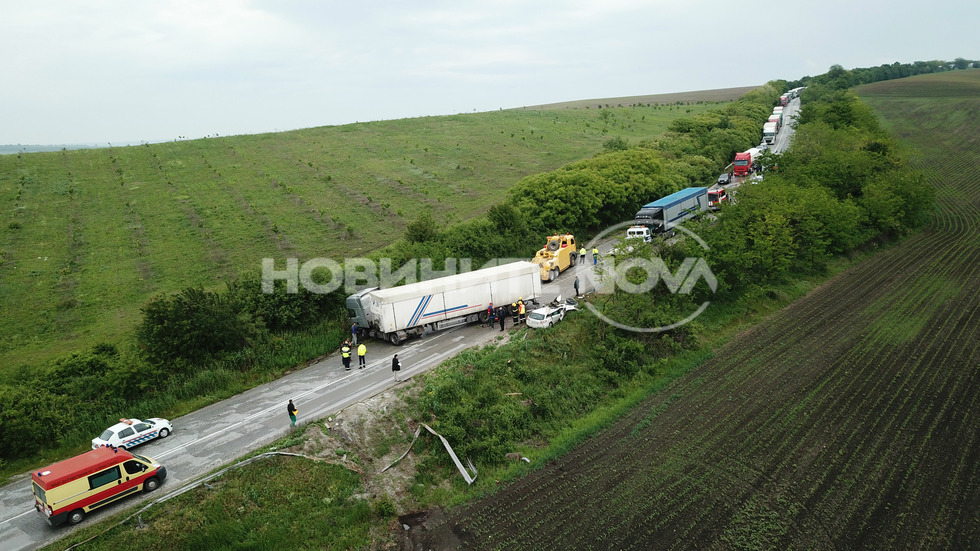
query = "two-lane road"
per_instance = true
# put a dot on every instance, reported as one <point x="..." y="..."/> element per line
<point x="218" y="434"/>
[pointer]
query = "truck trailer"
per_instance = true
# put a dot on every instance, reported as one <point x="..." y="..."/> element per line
<point x="778" y="119"/>
<point x="663" y="214"/>
<point x="398" y="313"/>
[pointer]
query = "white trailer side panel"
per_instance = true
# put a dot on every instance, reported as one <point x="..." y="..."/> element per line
<point x="449" y="297"/>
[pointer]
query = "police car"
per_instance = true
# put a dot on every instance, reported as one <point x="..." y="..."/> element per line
<point x="130" y="432"/>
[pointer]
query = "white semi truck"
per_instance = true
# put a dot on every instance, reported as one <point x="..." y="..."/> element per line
<point x="769" y="132"/>
<point x="397" y="313"/>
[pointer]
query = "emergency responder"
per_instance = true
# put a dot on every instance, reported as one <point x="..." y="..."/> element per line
<point x="361" y="352"/>
<point x="345" y="355"/>
<point x="513" y="312"/>
<point x="521" y="310"/>
<point x="581" y="255"/>
<point x="595" y="255"/>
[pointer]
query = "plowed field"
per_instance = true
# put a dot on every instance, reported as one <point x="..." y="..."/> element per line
<point x="850" y="420"/>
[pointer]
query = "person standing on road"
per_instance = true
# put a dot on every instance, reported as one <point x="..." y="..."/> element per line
<point x="581" y="255"/>
<point x="576" y="286"/>
<point x="291" y="409"/>
<point x="491" y="318"/>
<point x="353" y="333"/>
<point x="595" y="255"/>
<point x="521" y="310"/>
<point x="501" y="317"/>
<point x="396" y="366"/>
<point x="361" y="352"/>
<point x="345" y="355"/>
<point x="513" y="312"/>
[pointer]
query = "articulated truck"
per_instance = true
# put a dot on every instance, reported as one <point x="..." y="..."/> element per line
<point x="663" y="214"/>
<point x="746" y="162"/>
<point x="398" y="313"/>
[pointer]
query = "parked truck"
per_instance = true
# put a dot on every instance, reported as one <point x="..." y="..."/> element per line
<point x="778" y="119"/>
<point x="769" y="132"/>
<point x="398" y="313"/>
<point x="662" y="215"/>
<point x="746" y="162"/>
<point x="559" y="254"/>
<point x="717" y="196"/>
<point x="784" y="99"/>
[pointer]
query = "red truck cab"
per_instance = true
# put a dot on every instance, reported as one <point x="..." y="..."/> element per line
<point x="743" y="164"/>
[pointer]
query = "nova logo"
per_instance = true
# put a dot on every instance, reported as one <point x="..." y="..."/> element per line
<point x="688" y="274"/>
<point x="641" y="275"/>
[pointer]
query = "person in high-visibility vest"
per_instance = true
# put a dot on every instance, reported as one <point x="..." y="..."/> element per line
<point x="361" y="352"/>
<point x="521" y="310"/>
<point x="513" y="312"/>
<point x="595" y="255"/>
<point x="345" y="355"/>
<point x="581" y="255"/>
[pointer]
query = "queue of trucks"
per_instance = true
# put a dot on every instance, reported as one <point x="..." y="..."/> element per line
<point x="399" y="313"/>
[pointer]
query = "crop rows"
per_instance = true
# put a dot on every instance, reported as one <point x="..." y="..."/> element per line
<point x="846" y="421"/>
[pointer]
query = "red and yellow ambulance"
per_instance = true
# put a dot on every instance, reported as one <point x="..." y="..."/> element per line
<point x="67" y="490"/>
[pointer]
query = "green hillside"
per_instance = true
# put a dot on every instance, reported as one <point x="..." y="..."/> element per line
<point x="88" y="236"/>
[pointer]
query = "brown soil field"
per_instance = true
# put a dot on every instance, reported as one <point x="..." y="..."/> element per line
<point x="850" y="420"/>
<point x="720" y="94"/>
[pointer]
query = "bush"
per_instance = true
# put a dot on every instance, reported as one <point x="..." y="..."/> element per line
<point x="195" y="324"/>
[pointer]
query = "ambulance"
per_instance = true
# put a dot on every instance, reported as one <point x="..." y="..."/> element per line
<point x="67" y="490"/>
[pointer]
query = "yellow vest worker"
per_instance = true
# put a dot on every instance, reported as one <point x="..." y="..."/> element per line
<point x="361" y="352"/>
<point x="345" y="356"/>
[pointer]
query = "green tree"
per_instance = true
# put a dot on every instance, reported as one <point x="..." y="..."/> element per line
<point x="195" y="324"/>
<point x="423" y="229"/>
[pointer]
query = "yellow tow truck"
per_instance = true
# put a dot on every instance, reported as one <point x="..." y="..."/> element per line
<point x="559" y="254"/>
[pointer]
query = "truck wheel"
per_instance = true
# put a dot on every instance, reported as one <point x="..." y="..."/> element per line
<point x="484" y="317"/>
<point x="554" y="274"/>
<point x="393" y="339"/>
<point x="572" y="259"/>
<point x="76" y="516"/>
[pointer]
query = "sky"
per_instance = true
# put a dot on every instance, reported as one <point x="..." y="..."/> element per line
<point x="128" y="71"/>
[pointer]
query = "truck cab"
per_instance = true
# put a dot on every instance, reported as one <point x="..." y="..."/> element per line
<point x="716" y="196"/>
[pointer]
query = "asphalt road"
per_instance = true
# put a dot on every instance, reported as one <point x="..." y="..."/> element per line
<point x="220" y="433"/>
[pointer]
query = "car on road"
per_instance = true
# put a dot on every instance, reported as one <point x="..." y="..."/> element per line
<point x="552" y="313"/>
<point x="131" y="432"/>
<point x="725" y="179"/>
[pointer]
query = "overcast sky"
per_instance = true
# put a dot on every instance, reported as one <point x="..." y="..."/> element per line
<point x="95" y="71"/>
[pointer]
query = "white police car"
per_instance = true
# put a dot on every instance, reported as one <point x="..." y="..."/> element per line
<point x="130" y="432"/>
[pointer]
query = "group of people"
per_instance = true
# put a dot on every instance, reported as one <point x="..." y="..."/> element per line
<point x="595" y="255"/>
<point x="518" y="312"/>
<point x="347" y="349"/>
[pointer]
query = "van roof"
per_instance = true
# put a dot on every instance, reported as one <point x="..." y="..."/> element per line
<point x="76" y="467"/>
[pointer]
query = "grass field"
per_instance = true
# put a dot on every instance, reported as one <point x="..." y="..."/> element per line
<point x="847" y="421"/>
<point x="87" y="236"/>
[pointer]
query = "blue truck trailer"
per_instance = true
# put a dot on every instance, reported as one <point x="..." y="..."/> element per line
<point x="663" y="214"/>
